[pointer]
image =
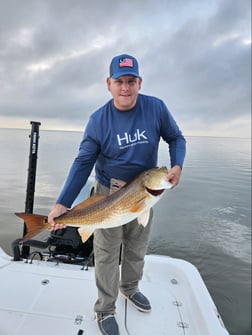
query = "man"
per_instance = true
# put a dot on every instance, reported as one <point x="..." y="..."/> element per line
<point x="121" y="140"/>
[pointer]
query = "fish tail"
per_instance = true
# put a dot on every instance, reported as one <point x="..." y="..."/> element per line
<point x="34" y="223"/>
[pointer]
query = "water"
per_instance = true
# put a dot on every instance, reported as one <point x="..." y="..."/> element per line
<point x="205" y="220"/>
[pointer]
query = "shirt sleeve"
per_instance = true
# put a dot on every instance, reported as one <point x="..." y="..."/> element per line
<point x="171" y="134"/>
<point x="81" y="167"/>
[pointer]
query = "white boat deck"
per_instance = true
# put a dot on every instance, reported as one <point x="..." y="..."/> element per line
<point x="45" y="298"/>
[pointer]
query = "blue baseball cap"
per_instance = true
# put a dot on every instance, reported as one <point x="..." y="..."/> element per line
<point x="123" y="65"/>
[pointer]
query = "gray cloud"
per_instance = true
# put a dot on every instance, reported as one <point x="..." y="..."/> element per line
<point x="54" y="58"/>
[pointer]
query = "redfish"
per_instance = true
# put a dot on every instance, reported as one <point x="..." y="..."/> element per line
<point x="107" y="211"/>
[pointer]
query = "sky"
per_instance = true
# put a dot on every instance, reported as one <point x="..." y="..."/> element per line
<point x="195" y="55"/>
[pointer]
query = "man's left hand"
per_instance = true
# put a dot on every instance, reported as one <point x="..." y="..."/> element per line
<point x="174" y="175"/>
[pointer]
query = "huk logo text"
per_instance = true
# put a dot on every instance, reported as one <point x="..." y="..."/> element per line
<point x="127" y="139"/>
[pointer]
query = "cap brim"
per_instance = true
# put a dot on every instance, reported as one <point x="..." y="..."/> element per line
<point x="126" y="73"/>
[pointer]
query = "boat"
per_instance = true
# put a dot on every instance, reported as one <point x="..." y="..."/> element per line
<point x="48" y="287"/>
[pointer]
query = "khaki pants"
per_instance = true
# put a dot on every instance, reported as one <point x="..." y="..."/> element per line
<point x="134" y="239"/>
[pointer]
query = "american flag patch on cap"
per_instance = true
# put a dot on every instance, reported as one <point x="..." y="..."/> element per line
<point x="126" y="62"/>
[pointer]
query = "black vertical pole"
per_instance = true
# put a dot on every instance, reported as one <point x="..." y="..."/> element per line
<point x="31" y="178"/>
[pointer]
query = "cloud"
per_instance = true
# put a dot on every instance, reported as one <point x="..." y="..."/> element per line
<point x="54" y="58"/>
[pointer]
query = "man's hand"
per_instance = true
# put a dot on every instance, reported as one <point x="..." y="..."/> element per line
<point x="174" y="175"/>
<point x="55" y="212"/>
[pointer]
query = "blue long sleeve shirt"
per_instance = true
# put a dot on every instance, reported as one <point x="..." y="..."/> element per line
<point x="122" y="144"/>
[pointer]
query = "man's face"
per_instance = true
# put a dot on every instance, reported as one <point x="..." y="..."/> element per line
<point x="124" y="91"/>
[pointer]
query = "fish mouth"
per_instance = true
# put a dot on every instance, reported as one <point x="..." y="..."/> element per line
<point x="155" y="193"/>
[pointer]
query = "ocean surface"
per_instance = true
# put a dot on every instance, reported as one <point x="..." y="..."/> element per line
<point x="205" y="220"/>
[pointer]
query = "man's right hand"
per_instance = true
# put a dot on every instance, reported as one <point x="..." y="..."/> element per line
<point x="55" y="212"/>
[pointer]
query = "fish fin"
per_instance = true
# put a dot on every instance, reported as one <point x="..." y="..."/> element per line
<point x="138" y="207"/>
<point x="143" y="219"/>
<point x="84" y="234"/>
<point x="34" y="223"/>
<point x="89" y="201"/>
